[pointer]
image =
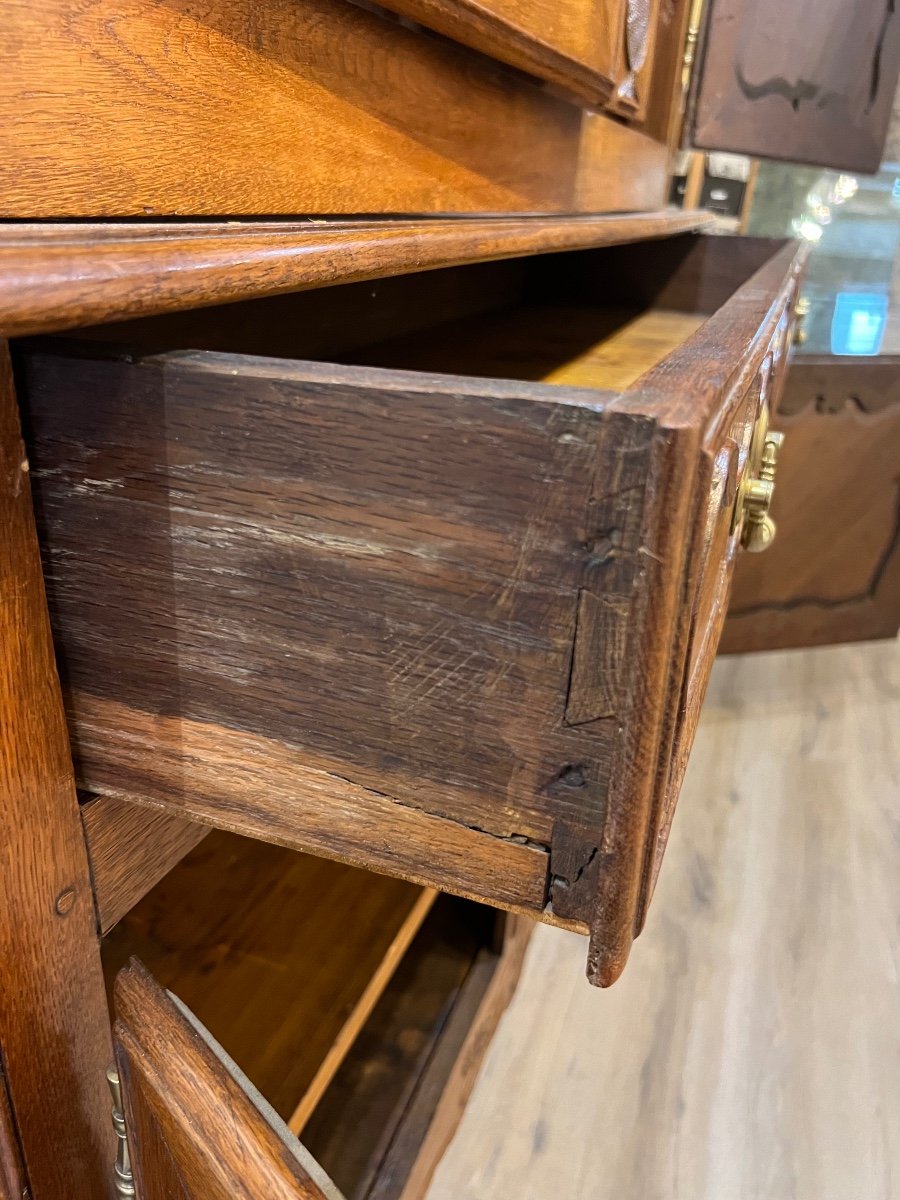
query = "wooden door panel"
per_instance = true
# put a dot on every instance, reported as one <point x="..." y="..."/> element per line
<point x="197" y="1128"/>
<point x="810" y="82"/>
<point x="833" y="572"/>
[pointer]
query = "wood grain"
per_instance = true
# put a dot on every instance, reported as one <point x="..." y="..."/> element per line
<point x="13" y="1182"/>
<point x="236" y="108"/>
<point x="199" y="1130"/>
<point x="577" y="44"/>
<point x="736" y="1056"/>
<point x="833" y="573"/>
<point x="442" y="575"/>
<point x="697" y="393"/>
<point x="54" y="1026"/>
<point x="813" y="83"/>
<point x="56" y="277"/>
<point x="130" y="849"/>
<point x="282" y="956"/>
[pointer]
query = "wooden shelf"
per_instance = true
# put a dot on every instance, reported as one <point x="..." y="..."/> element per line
<point x="282" y="956"/>
<point x="576" y="345"/>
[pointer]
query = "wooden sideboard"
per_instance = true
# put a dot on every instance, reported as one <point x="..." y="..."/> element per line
<point x="376" y="451"/>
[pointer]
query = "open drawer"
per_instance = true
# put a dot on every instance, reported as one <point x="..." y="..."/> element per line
<point x="452" y="627"/>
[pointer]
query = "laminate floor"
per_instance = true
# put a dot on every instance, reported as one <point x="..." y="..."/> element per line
<point x="751" y="1051"/>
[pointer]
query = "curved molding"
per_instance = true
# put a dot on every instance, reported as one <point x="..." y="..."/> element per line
<point x="55" y="277"/>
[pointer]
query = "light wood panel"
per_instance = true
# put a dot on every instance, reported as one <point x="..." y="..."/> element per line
<point x="131" y="848"/>
<point x="137" y="108"/>
<point x="281" y="956"/>
<point x="750" y="1051"/>
<point x="576" y="44"/>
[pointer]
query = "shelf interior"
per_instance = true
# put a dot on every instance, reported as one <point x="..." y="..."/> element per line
<point x="376" y="1123"/>
<point x="281" y="955"/>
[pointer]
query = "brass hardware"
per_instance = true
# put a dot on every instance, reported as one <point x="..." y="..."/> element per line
<point x="690" y="45"/>
<point x="801" y="311"/>
<point x="759" y="528"/>
<point x="123" y="1178"/>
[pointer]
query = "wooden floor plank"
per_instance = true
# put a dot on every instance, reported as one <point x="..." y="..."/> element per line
<point x="750" y="1052"/>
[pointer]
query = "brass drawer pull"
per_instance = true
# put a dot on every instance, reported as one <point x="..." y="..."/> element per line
<point x="759" y="528"/>
<point x="801" y="312"/>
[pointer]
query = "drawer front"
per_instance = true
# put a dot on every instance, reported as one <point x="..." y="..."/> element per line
<point x="730" y="460"/>
<point x="435" y="626"/>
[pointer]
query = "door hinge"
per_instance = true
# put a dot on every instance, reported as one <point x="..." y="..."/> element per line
<point x="690" y="44"/>
<point x="122" y="1176"/>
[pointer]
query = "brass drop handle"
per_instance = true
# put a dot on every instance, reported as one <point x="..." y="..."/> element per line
<point x="801" y="311"/>
<point x="759" y="528"/>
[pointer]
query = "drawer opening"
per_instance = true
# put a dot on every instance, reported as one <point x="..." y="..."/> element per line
<point x="595" y="318"/>
<point x="338" y="992"/>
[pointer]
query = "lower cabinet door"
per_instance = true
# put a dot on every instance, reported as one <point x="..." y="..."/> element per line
<point x="197" y="1128"/>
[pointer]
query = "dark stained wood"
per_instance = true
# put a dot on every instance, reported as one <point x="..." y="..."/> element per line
<point x="810" y="83"/>
<point x="678" y="275"/>
<point x="239" y="107"/>
<point x="430" y="560"/>
<point x="282" y="956"/>
<point x="577" y="44"/>
<point x="54" y="1028"/>
<point x="384" y="1123"/>
<point x="825" y="384"/>
<point x="56" y="277"/>
<point x="130" y="849"/>
<point x="363" y="662"/>
<point x="701" y="393"/>
<point x="13" y="1184"/>
<point x="833" y="572"/>
<point x="198" y="1130"/>
<point x="452" y="1071"/>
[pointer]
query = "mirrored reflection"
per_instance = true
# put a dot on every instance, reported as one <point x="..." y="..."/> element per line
<point x="853" y="224"/>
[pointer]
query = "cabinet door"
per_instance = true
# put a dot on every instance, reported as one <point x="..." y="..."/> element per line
<point x="811" y="81"/>
<point x="197" y="1128"/>
<point x="833" y="573"/>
